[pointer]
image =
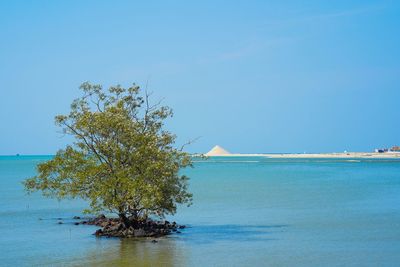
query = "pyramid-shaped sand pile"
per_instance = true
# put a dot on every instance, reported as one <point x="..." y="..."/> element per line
<point x="217" y="151"/>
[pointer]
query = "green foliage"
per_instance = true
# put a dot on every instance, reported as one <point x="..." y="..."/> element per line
<point x="122" y="160"/>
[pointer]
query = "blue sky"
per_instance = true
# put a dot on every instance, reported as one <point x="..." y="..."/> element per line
<point x="251" y="76"/>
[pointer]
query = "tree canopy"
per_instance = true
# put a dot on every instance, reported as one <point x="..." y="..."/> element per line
<point x="122" y="161"/>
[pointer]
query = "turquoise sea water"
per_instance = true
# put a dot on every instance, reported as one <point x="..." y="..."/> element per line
<point x="247" y="212"/>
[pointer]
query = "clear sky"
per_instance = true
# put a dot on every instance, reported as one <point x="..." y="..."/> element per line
<point x="251" y="76"/>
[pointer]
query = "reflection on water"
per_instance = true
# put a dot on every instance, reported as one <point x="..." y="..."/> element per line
<point x="130" y="252"/>
<point x="173" y="250"/>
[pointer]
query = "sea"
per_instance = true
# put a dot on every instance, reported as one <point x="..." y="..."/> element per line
<point x="247" y="211"/>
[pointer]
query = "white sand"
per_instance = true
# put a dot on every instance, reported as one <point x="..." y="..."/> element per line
<point x="217" y="151"/>
<point x="318" y="155"/>
<point x="338" y="155"/>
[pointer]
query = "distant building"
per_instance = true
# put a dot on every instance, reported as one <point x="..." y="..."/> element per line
<point x="395" y="149"/>
<point x="386" y="150"/>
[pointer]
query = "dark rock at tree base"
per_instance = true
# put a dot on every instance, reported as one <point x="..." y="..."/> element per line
<point x="139" y="233"/>
<point x="98" y="232"/>
<point x="114" y="227"/>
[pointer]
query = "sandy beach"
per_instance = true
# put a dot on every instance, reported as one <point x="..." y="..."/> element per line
<point x="218" y="151"/>
<point x="338" y="155"/>
<point x="322" y="155"/>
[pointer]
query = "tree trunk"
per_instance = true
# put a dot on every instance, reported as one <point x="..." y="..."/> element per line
<point x="126" y="222"/>
<point x="135" y="221"/>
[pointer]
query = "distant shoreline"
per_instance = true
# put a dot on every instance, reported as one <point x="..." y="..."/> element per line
<point x="363" y="155"/>
<point x="349" y="155"/>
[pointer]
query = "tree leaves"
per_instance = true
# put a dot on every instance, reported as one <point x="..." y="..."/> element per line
<point x="122" y="160"/>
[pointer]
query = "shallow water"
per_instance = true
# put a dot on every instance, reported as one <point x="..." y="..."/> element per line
<point x="246" y="212"/>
